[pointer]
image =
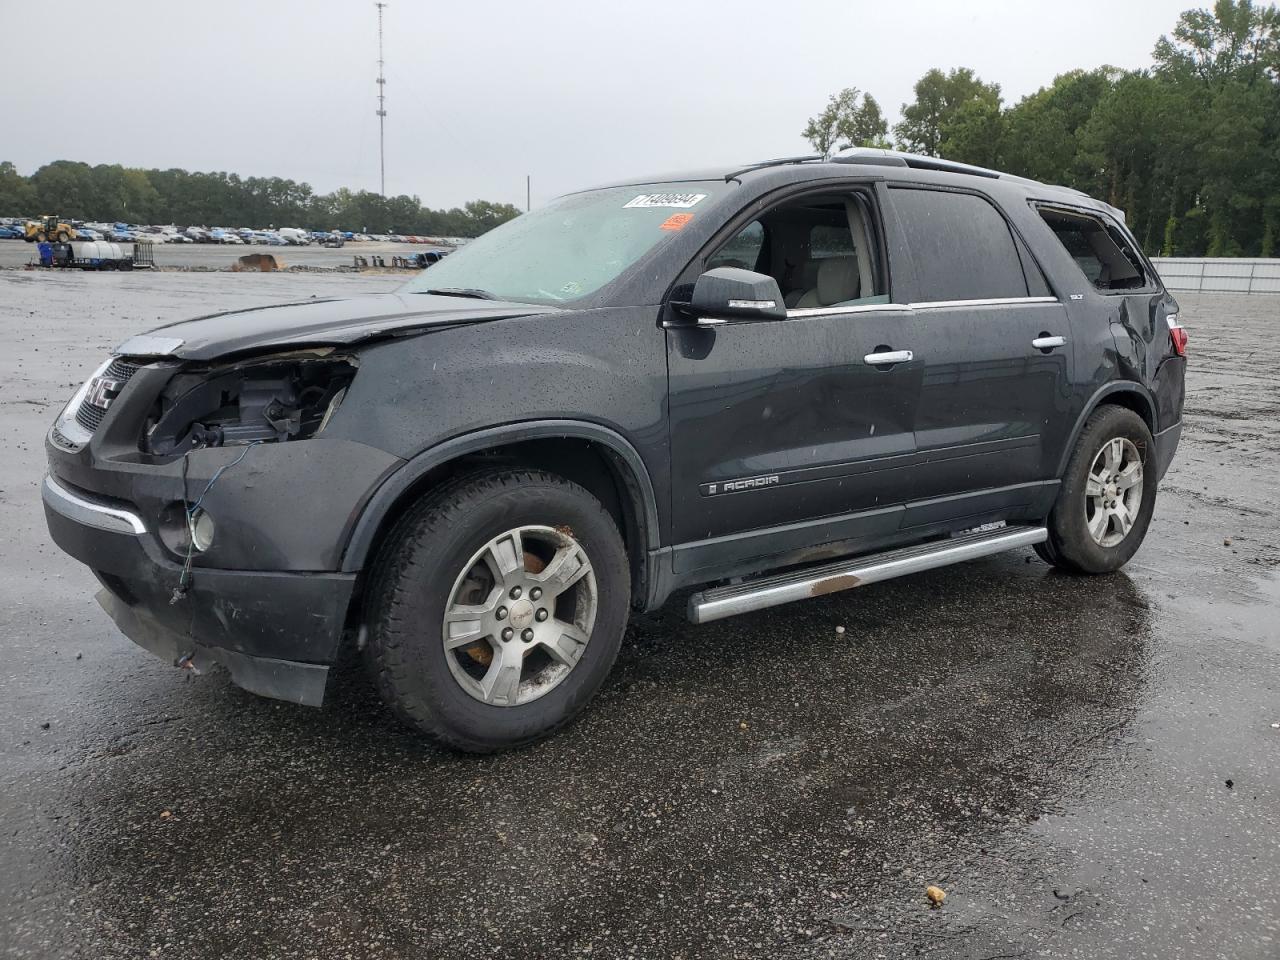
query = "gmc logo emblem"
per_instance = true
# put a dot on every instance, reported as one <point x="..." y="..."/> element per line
<point x="102" y="391"/>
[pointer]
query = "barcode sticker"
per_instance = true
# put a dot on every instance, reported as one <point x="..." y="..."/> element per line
<point x="680" y="201"/>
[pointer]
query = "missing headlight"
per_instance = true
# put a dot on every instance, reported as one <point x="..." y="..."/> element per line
<point x="269" y="400"/>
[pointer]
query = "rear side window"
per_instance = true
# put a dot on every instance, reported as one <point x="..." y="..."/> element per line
<point x="960" y="245"/>
<point x="1101" y="252"/>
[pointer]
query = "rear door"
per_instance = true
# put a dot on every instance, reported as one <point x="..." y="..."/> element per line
<point x="995" y="402"/>
<point x="782" y="436"/>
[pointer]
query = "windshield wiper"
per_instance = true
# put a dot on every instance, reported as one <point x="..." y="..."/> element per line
<point x="475" y="293"/>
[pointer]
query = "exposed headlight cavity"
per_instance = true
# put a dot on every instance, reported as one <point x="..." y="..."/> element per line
<point x="271" y="400"/>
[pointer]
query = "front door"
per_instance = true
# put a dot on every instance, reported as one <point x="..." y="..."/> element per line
<point x="782" y="434"/>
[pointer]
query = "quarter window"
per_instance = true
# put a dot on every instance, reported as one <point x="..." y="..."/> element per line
<point x="960" y="246"/>
<point x="1101" y="252"/>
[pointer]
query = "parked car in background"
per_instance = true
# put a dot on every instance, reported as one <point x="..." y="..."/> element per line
<point x="294" y="236"/>
<point x="10" y="233"/>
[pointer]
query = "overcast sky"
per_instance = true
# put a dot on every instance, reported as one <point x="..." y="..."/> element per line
<point x="482" y="92"/>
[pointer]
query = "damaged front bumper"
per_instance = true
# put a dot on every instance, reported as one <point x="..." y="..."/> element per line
<point x="276" y="632"/>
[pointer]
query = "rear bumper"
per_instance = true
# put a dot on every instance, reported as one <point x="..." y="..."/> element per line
<point x="1166" y="447"/>
<point x="275" y="632"/>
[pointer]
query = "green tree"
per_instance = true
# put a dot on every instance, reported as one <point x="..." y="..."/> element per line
<point x="850" y="119"/>
<point x="927" y="121"/>
<point x="1042" y="131"/>
<point x="1236" y="40"/>
<point x="976" y="133"/>
<point x="17" y="197"/>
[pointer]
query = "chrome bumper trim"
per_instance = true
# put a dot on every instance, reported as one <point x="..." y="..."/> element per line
<point x="75" y="507"/>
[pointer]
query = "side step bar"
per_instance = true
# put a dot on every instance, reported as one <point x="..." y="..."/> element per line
<point x="856" y="572"/>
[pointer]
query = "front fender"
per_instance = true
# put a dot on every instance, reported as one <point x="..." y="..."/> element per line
<point x="635" y="476"/>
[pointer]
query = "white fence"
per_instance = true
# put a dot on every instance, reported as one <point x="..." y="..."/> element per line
<point x="1219" y="275"/>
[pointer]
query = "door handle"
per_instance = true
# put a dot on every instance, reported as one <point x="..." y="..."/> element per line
<point x="1048" y="343"/>
<point x="888" y="358"/>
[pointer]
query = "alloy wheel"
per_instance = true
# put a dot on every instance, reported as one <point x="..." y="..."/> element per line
<point x="1113" y="492"/>
<point x="520" y="615"/>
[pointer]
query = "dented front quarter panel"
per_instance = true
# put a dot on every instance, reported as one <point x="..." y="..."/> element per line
<point x="605" y="366"/>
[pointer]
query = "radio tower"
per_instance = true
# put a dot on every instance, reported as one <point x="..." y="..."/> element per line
<point x="382" y="112"/>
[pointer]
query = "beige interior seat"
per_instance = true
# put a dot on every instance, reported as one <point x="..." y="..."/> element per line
<point x="806" y="280"/>
<point x="838" y="281"/>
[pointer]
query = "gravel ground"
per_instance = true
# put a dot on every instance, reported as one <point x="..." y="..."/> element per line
<point x="1088" y="767"/>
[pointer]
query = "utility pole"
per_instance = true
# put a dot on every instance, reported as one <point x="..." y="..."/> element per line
<point x="528" y="181"/>
<point x="382" y="112"/>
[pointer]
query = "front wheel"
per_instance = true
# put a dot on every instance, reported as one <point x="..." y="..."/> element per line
<point x="62" y="236"/>
<point x="1107" y="496"/>
<point x="497" y="608"/>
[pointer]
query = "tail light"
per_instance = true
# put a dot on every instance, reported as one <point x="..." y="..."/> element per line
<point x="1177" y="335"/>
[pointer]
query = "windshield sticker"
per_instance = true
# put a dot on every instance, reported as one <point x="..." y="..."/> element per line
<point x="680" y="201"/>
<point x="676" y="221"/>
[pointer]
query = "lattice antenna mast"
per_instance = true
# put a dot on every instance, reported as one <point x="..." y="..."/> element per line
<point x="382" y="111"/>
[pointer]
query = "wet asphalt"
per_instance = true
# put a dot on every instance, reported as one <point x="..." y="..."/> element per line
<point x="1088" y="767"/>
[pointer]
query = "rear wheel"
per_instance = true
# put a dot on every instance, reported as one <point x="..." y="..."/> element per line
<point x="62" y="236"/>
<point x="497" y="608"/>
<point x="1107" y="496"/>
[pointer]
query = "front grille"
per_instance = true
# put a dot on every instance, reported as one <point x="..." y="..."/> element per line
<point x="119" y="372"/>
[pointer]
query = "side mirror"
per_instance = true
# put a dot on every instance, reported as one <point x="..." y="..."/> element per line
<point x="730" y="293"/>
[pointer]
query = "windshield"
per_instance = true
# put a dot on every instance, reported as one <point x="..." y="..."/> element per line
<point x="572" y="247"/>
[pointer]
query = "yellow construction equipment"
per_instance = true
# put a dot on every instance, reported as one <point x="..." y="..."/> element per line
<point x="49" y="228"/>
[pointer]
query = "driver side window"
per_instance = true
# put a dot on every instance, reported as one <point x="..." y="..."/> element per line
<point x="742" y="251"/>
<point x="821" y="249"/>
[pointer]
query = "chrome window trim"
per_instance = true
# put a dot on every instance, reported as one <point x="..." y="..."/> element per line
<point x="985" y="302"/>
<point x="927" y="305"/>
<point x="77" y="508"/>
<point x="857" y="308"/>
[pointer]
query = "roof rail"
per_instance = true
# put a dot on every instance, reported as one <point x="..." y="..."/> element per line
<point x="896" y="158"/>
<point x="780" y="162"/>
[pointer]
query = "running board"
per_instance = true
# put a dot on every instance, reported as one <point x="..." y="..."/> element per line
<point x="856" y="572"/>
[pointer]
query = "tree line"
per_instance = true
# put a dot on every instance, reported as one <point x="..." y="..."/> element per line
<point x="110" y="192"/>
<point x="1189" y="149"/>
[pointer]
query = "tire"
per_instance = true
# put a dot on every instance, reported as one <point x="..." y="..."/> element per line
<point x="40" y="237"/>
<point x="1096" y="527"/>
<point x="62" y="236"/>
<point x="446" y="552"/>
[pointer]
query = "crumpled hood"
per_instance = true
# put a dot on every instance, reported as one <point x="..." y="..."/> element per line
<point x="317" y="323"/>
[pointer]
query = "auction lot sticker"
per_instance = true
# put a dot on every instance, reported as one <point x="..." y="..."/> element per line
<point x="680" y="201"/>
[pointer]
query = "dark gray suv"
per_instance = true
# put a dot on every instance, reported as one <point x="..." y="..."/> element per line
<point x="771" y="383"/>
